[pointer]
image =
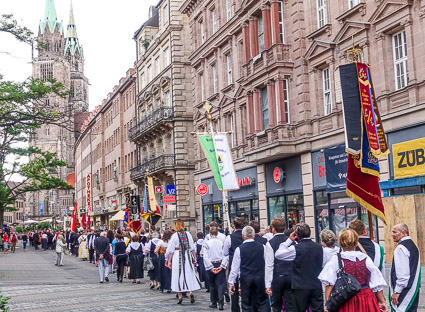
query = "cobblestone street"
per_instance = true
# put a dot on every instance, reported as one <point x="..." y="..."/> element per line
<point x="36" y="284"/>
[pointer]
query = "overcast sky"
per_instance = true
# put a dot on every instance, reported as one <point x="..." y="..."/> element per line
<point x="105" y="29"/>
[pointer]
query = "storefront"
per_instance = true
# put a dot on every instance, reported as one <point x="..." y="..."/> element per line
<point x="284" y="191"/>
<point x="244" y="202"/>
<point x="334" y="210"/>
<point x="212" y="203"/>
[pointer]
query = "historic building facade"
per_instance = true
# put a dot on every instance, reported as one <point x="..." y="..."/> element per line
<point x="164" y="112"/>
<point x="104" y="154"/>
<point x="270" y="70"/>
<point x="63" y="60"/>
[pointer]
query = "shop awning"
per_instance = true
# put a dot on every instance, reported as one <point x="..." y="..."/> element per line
<point x="118" y="216"/>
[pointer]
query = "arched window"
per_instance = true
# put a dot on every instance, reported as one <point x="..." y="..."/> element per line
<point x="47" y="131"/>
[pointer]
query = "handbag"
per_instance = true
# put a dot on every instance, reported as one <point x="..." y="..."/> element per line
<point x="148" y="264"/>
<point x="345" y="288"/>
<point x="66" y="251"/>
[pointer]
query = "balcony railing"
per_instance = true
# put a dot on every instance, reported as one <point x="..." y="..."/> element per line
<point x="151" y="121"/>
<point x="152" y="166"/>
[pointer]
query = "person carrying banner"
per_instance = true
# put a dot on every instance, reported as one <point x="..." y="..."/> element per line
<point x="405" y="272"/>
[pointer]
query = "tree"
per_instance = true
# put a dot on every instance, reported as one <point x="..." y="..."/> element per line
<point x="23" y="109"/>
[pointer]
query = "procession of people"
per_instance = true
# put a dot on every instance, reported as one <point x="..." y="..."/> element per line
<point x="245" y="271"/>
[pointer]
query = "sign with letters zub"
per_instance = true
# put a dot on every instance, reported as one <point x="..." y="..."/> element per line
<point x="409" y="158"/>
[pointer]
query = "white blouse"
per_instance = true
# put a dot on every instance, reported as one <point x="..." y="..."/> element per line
<point x="174" y="243"/>
<point x="329" y="252"/>
<point x="328" y="275"/>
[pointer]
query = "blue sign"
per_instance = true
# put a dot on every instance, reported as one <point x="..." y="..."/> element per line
<point x="336" y="159"/>
<point x="41" y="208"/>
<point x="171" y="189"/>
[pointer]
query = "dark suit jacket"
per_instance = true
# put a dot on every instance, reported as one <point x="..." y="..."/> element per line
<point x="101" y="246"/>
<point x="259" y="239"/>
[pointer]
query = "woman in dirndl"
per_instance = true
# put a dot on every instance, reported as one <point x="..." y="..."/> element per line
<point x="135" y="252"/>
<point x="181" y="259"/>
<point x="362" y="268"/>
<point x="164" y="272"/>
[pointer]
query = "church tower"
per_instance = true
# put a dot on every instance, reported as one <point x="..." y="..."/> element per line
<point x="62" y="59"/>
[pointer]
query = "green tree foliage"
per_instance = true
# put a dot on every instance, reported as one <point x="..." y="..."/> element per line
<point x="19" y="229"/>
<point x="43" y="226"/>
<point x="23" y="110"/>
<point x="3" y="303"/>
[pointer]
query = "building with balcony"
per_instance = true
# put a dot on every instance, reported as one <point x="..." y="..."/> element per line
<point x="270" y="69"/>
<point x="164" y="124"/>
<point x="104" y="154"/>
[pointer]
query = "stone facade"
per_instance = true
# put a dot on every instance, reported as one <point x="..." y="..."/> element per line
<point x="20" y="212"/>
<point x="104" y="154"/>
<point x="269" y="68"/>
<point x="63" y="60"/>
<point x="164" y="110"/>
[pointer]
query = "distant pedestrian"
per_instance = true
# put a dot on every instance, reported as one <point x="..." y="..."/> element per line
<point x="328" y="242"/>
<point x="90" y="245"/>
<point x="101" y="246"/>
<point x="202" y="273"/>
<point x="5" y="242"/>
<point x="60" y="246"/>
<point x="24" y="241"/>
<point x="150" y="250"/>
<point x="136" y="252"/>
<point x="405" y="272"/>
<point x="13" y="240"/>
<point x="83" y="252"/>
<point x="44" y="241"/>
<point x="258" y="238"/>
<point x="37" y="240"/>
<point x="164" y="271"/>
<point x="120" y="256"/>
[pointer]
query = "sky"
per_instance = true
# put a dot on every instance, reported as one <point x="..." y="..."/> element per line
<point x="105" y="29"/>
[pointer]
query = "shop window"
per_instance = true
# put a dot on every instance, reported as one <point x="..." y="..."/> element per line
<point x="400" y="60"/>
<point x="213" y="212"/>
<point x="246" y="209"/>
<point x="265" y="108"/>
<point x="293" y="205"/>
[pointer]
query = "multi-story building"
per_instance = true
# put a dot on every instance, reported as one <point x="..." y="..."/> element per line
<point x="18" y="214"/>
<point x="104" y="154"/>
<point x="164" y="111"/>
<point x="62" y="59"/>
<point x="270" y="69"/>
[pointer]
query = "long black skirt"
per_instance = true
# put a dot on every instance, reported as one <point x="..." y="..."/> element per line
<point x="136" y="266"/>
<point x="164" y="273"/>
<point x="44" y="243"/>
<point x="153" y="274"/>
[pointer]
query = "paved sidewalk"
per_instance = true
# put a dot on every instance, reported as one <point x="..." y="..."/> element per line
<point x="36" y="284"/>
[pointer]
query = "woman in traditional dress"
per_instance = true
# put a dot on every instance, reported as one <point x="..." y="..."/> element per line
<point x="362" y="268"/>
<point x="150" y="250"/>
<point x="163" y="271"/>
<point x="181" y="259"/>
<point x="135" y="252"/>
<point x="83" y="252"/>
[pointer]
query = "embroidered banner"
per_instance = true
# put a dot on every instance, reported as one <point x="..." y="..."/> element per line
<point x="369" y="163"/>
<point x="228" y="175"/>
<point x="207" y="144"/>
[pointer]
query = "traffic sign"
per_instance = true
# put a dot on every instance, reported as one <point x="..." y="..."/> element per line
<point x="202" y="189"/>
<point x="171" y="189"/>
<point x="170" y="199"/>
<point x="158" y="189"/>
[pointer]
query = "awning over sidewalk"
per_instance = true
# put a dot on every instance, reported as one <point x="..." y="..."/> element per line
<point x="118" y="216"/>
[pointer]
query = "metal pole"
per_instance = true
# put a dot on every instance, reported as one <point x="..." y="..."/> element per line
<point x="369" y="216"/>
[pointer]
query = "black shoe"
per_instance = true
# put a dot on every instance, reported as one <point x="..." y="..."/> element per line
<point x="213" y="306"/>
<point x="106" y="279"/>
<point x="221" y="306"/>
<point x="192" y="299"/>
<point x="101" y="282"/>
<point x="207" y="291"/>
<point x="169" y="291"/>
<point x="226" y="295"/>
<point x="180" y="301"/>
<point x="153" y="286"/>
<point x="120" y="280"/>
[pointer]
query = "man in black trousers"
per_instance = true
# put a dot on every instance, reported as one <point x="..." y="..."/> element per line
<point x="307" y="257"/>
<point x="90" y="245"/>
<point x="232" y="242"/>
<point x="248" y="259"/>
<point x="278" y="275"/>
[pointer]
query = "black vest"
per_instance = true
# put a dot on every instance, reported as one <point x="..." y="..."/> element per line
<point x="307" y="265"/>
<point x="413" y="265"/>
<point x="120" y="248"/>
<point x="235" y="241"/>
<point x="259" y="239"/>
<point x="252" y="260"/>
<point x="152" y="250"/>
<point x="368" y="246"/>
<point x="281" y="268"/>
<point x="136" y="252"/>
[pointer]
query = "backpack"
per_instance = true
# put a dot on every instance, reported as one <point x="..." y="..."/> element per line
<point x="13" y="238"/>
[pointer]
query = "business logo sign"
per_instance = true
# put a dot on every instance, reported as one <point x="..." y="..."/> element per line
<point x="171" y="189"/>
<point x="277" y="174"/>
<point x="409" y="158"/>
<point x="88" y="181"/>
<point x="158" y="189"/>
<point x="246" y="181"/>
<point x="202" y="189"/>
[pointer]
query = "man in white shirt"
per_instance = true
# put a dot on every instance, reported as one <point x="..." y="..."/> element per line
<point x="215" y="264"/>
<point x="405" y="272"/>
<point x="269" y="233"/>
<point x="220" y="235"/>
<point x="249" y="263"/>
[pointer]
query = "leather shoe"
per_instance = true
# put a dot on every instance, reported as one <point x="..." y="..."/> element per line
<point x="106" y="279"/>
<point x="213" y="306"/>
<point x="221" y="306"/>
<point x="226" y="295"/>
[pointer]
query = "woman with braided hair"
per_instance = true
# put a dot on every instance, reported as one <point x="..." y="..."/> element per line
<point x="181" y="259"/>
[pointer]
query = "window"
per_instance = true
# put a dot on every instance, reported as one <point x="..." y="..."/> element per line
<point x="202" y="87"/>
<point x="165" y="14"/>
<point x="167" y="99"/>
<point x="229" y="69"/>
<point x="321" y="13"/>
<point x="265" y="108"/>
<point x="400" y="60"/>
<point x="260" y="33"/>
<point x="281" y="25"/>
<point x="214" y="20"/>
<point x="166" y="57"/>
<point x="157" y="66"/>
<point x="285" y="101"/>
<point x="232" y="129"/>
<point x="47" y="130"/>
<point x="327" y="91"/>
<point x="201" y="26"/>
<point x="149" y="73"/>
<point x="229" y="9"/>
<point x="352" y="3"/>
<point x="214" y="72"/>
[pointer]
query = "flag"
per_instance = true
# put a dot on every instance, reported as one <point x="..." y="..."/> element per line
<point x="216" y="149"/>
<point x="126" y="214"/>
<point x="53" y="222"/>
<point x="151" y="212"/>
<point x="83" y="220"/>
<point x="88" y="222"/>
<point x="74" y="218"/>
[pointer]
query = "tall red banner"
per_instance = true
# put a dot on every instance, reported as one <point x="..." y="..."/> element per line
<point x="74" y="218"/>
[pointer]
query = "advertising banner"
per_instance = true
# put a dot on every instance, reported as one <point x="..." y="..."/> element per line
<point x="228" y="175"/>
<point x="409" y="158"/>
<point x="336" y="168"/>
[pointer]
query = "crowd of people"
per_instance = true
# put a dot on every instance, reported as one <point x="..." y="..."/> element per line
<point x="281" y="270"/>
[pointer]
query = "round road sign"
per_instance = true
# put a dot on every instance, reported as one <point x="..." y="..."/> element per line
<point x="202" y="189"/>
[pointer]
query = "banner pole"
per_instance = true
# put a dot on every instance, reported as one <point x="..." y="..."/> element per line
<point x="369" y="216"/>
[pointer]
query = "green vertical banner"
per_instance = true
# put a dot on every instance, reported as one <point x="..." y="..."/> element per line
<point x="207" y="144"/>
